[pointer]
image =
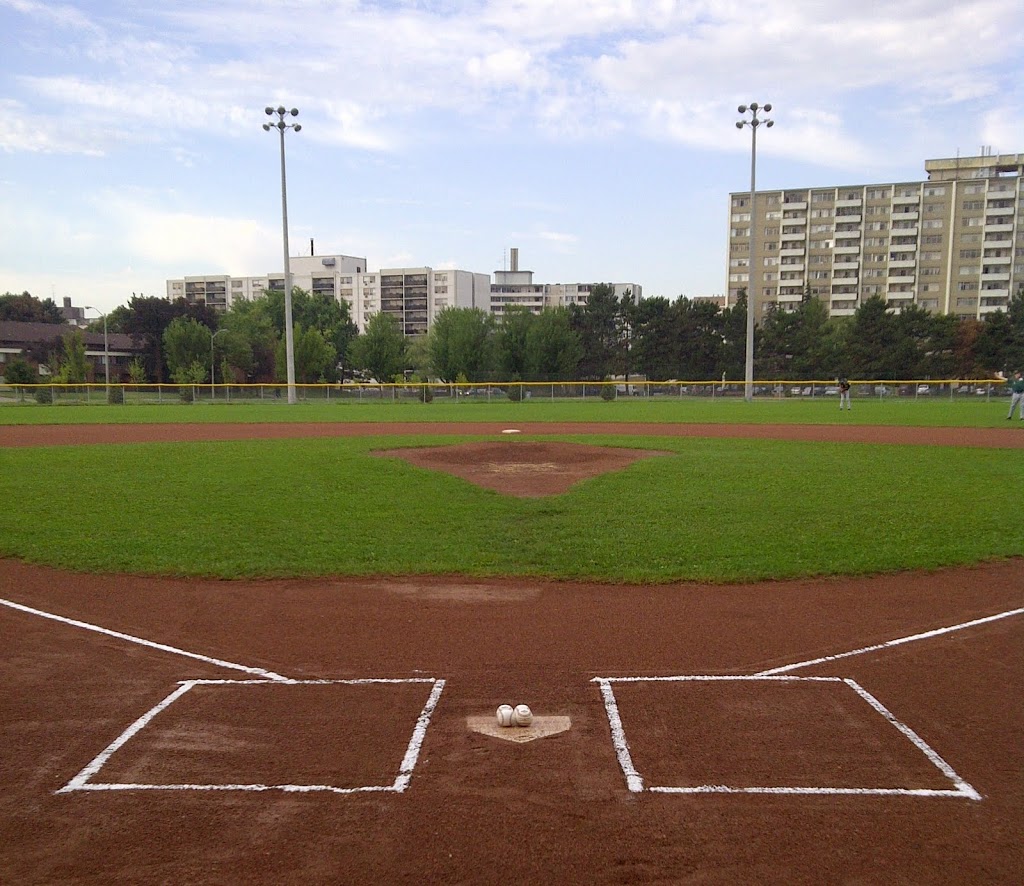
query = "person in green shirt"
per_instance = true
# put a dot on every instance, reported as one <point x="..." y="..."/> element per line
<point x="1016" y="395"/>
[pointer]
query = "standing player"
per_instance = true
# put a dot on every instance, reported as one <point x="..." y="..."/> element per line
<point x="1016" y="395"/>
<point x="844" y="394"/>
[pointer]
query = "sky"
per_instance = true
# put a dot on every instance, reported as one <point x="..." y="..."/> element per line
<point x="596" y="136"/>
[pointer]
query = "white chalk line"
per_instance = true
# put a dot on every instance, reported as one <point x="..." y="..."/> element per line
<point x="635" y="782"/>
<point x="962" y="786"/>
<point x="83" y="781"/>
<point x="938" y="632"/>
<point x="260" y="672"/>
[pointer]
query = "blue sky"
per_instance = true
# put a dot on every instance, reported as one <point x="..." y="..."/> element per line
<point x="597" y="136"/>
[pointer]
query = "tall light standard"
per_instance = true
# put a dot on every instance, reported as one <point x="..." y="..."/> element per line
<point x="753" y="123"/>
<point x="289" y="344"/>
<point x="106" y="349"/>
<point x="213" y="336"/>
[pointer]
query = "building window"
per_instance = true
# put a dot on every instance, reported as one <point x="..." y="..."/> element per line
<point x="932" y="223"/>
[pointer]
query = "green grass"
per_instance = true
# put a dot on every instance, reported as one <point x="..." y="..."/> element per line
<point x="927" y="411"/>
<point x="716" y="510"/>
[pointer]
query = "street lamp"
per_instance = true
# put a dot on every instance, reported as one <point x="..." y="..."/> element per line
<point x="106" y="349"/>
<point x="753" y="123"/>
<point x="213" y="335"/>
<point x="289" y="344"/>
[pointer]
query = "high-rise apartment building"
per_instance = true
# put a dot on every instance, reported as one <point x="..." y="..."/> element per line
<point x="412" y="295"/>
<point x="953" y="243"/>
<point x="515" y="288"/>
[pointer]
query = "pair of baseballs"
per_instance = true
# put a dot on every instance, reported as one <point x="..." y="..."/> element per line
<point x="520" y="715"/>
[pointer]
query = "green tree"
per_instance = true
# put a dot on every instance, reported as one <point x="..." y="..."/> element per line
<point x="147" y="317"/>
<point x="599" y="326"/>
<point x="185" y="342"/>
<point x="461" y="341"/>
<point x="74" y="367"/>
<point x="381" y="349"/>
<point x="315" y="357"/>
<point x="510" y="338"/>
<point x="733" y="330"/>
<point x="26" y="308"/>
<point x="553" y="349"/>
<point x="137" y="372"/>
<point x="19" y="372"/>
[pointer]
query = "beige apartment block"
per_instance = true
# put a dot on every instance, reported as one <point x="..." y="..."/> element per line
<point x="513" y="287"/>
<point x="413" y="296"/>
<point x="953" y="243"/>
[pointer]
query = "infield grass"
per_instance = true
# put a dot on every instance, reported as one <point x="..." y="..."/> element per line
<point x="713" y="510"/>
<point x="932" y="411"/>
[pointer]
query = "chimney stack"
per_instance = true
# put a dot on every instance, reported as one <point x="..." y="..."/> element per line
<point x="514" y="258"/>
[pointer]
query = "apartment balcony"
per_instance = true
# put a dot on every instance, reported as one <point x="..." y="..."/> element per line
<point x="902" y="263"/>
<point x="996" y="277"/>
<point x="852" y="219"/>
<point x="845" y="266"/>
<point x="994" y="259"/>
<point x="912" y="198"/>
<point x="794" y="206"/>
<point x="998" y="226"/>
<point x="910" y="215"/>
<point x="789" y="297"/>
<point x="994" y="293"/>
<point x="844" y="204"/>
<point x="791" y="251"/>
<point x="892" y="280"/>
<point x="842" y="312"/>
<point x="998" y="210"/>
<point x="848" y="235"/>
<point x="847" y="250"/>
<point x="793" y="269"/>
<point x="991" y="308"/>
<point x="789" y="238"/>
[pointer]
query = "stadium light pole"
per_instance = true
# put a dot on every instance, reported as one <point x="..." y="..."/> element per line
<point x="753" y="123"/>
<point x="213" y="335"/>
<point x="289" y="343"/>
<point x="106" y="348"/>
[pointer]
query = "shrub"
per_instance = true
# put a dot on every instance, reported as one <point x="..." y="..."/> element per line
<point x="115" y="394"/>
<point x="44" y="394"/>
<point x="515" y="393"/>
<point x="186" y="393"/>
<point x="426" y="394"/>
<point x="607" y="392"/>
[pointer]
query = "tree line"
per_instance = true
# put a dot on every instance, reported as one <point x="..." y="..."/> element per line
<point x="609" y="336"/>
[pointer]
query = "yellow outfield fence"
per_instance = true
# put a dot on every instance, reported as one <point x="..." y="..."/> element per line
<point x="373" y="392"/>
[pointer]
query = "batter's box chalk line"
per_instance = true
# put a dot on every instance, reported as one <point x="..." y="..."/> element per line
<point x="635" y="781"/>
<point x="84" y="780"/>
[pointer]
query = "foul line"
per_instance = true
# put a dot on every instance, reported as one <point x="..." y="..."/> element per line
<point x="891" y="643"/>
<point x="259" y="672"/>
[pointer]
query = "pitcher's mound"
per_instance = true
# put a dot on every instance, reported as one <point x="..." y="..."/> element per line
<point x="522" y="468"/>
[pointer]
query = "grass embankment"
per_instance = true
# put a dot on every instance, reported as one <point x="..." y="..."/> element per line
<point x="934" y="411"/>
<point x="716" y="510"/>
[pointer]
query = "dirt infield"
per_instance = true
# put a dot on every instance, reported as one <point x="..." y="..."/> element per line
<point x="281" y="761"/>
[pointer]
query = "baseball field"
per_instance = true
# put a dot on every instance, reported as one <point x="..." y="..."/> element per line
<point x="765" y="643"/>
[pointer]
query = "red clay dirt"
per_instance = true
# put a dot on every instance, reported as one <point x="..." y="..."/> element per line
<point x="481" y="810"/>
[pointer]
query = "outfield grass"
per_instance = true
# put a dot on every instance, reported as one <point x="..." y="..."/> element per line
<point x="719" y="510"/>
<point x="926" y="412"/>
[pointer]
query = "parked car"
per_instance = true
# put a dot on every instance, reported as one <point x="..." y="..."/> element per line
<point x="831" y="391"/>
<point x="923" y="389"/>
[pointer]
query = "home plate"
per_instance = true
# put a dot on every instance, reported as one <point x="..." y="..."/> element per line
<point x="510" y="431"/>
<point x="541" y="727"/>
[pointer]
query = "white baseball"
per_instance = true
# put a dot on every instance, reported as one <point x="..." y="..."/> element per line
<point x="505" y="715"/>
<point x="522" y="715"/>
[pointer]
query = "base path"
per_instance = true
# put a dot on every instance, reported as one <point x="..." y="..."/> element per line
<point x="68" y="435"/>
